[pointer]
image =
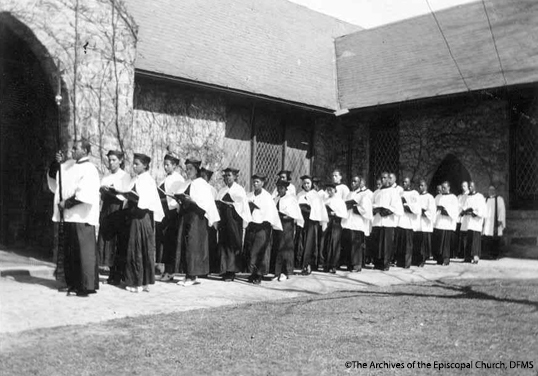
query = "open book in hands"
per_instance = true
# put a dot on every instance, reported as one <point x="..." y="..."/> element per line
<point x="128" y="195"/>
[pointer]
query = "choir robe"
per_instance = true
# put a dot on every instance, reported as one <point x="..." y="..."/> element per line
<point x="342" y="191"/>
<point x="283" y="241"/>
<point x="356" y="227"/>
<point x="80" y="180"/>
<point x="140" y="254"/>
<point x="459" y="238"/>
<point x="309" y="234"/>
<point x="444" y="227"/>
<point x="235" y="216"/>
<point x="291" y="190"/>
<point x="258" y="234"/>
<point x="166" y="231"/>
<point x="383" y="226"/>
<point x="473" y="225"/>
<point x="212" y="238"/>
<point x="332" y="236"/>
<point x="494" y="223"/>
<point x="192" y="252"/>
<point x="407" y="224"/>
<point x="112" y="224"/>
<point x="423" y="235"/>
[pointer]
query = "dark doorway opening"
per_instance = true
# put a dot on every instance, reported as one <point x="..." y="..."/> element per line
<point x="28" y="118"/>
<point x="451" y="170"/>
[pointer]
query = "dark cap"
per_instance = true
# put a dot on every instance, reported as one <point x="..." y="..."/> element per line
<point x="316" y="180"/>
<point x="287" y="172"/>
<point x="330" y="185"/>
<point x="259" y="177"/>
<point x="234" y="171"/>
<point x="209" y="173"/>
<point x="282" y="183"/>
<point x="142" y="158"/>
<point x="117" y="153"/>
<point x="196" y="163"/>
<point x="304" y="177"/>
<point x="171" y="156"/>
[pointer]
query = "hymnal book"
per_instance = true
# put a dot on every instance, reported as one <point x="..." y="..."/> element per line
<point x="350" y="204"/>
<point x="166" y="193"/>
<point x="252" y="206"/>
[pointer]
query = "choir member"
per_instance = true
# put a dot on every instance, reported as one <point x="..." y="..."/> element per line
<point x="80" y="210"/>
<point x="387" y="207"/>
<point x="214" y="261"/>
<point x="234" y="213"/>
<point x="166" y="231"/>
<point x="472" y="222"/>
<point x="283" y="240"/>
<point x="112" y="218"/>
<point x="332" y="237"/>
<point x="357" y="224"/>
<point x="494" y="223"/>
<point x="445" y="224"/>
<point x="197" y="213"/>
<point x="258" y="235"/>
<point x="423" y="240"/>
<point x="460" y="237"/>
<point x="308" y="235"/>
<point x="407" y="225"/>
<point x="284" y="175"/>
<point x="143" y="209"/>
<point x="342" y="190"/>
<point x="394" y="183"/>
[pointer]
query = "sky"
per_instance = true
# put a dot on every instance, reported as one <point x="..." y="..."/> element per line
<point x="372" y="13"/>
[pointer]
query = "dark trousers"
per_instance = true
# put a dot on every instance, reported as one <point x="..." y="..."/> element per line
<point x="353" y="243"/>
<point x="473" y="246"/>
<point x="422" y="247"/>
<point x="80" y="258"/>
<point x="382" y="240"/>
<point x="491" y="247"/>
<point x="404" y="247"/>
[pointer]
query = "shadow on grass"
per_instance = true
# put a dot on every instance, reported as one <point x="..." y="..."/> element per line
<point x="462" y="292"/>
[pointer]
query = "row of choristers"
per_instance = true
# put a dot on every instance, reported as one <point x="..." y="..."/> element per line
<point x="184" y="226"/>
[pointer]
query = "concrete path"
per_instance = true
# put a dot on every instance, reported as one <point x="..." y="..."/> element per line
<point x="29" y="298"/>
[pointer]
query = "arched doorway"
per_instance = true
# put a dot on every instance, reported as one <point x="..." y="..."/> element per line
<point x="451" y="170"/>
<point x="28" y="126"/>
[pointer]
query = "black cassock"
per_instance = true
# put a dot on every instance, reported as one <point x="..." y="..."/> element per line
<point x="258" y="247"/>
<point x="111" y="228"/>
<point x="192" y="252"/>
<point x="307" y="241"/>
<point x="230" y="247"/>
<point x="283" y="246"/>
<point x="80" y="260"/>
<point x="332" y="243"/>
<point x="166" y="231"/>
<point x="140" y="255"/>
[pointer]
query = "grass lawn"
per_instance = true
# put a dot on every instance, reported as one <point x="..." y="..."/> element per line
<point x="446" y="321"/>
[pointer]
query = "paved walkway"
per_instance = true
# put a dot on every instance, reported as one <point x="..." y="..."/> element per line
<point x="29" y="298"/>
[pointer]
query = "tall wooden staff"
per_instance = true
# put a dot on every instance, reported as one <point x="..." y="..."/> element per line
<point x="60" y="274"/>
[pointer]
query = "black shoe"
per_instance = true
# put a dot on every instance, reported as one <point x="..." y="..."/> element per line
<point x="386" y="269"/>
<point x="422" y="265"/>
<point x="332" y="271"/>
<point x="82" y="294"/>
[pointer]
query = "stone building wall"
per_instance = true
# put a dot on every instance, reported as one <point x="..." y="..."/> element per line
<point x="475" y="131"/>
<point x="93" y="44"/>
<point x="192" y="122"/>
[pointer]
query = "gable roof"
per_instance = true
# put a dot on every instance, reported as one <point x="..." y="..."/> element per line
<point x="410" y="59"/>
<point x="273" y="48"/>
